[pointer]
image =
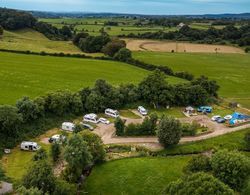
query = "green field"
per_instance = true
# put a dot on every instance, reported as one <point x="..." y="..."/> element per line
<point x="27" y="39"/>
<point x="231" y="71"/>
<point x="31" y="75"/>
<point x="135" y="175"/>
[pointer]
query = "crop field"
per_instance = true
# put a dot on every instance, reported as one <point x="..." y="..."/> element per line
<point x="27" y="39"/>
<point x="31" y="75"/>
<point x="231" y="71"/>
<point x="135" y="175"/>
<point x="179" y="47"/>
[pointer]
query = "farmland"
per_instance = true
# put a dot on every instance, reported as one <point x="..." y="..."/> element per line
<point x="149" y="175"/>
<point x="30" y="75"/>
<point x="231" y="71"/>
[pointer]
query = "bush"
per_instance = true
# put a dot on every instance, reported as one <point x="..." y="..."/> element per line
<point x="198" y="163"/>
<point x="113" y="47"/>
<point x="31" y="191"/>
<point x="232" y="168"/>
<point x="199" y="183"/>
<point x="123" y="55"/>
<point x="247" y="140"/>
<point x="169" y="131"/>
<point x="119" y="126"/>
<point x="55" y="151"/>
<point x="40" y="155"/>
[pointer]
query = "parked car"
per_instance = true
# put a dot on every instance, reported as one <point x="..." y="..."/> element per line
<point x="104" y="121"/>
<point x="112" y="113"/>
<point x="57" y="138"/>
<point x="92" y="118"/>
<point x="214" y="118"/>
<point x="204" y="109"/>
<point x="87" y="126"/>
<point x="142" y="110"/>
<point x="220" y="120"/>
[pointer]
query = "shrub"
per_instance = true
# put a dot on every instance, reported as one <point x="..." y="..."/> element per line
<point x="247" y="140"/>
<point x="198" y="163"/>
<point x="123" y="55"/>
<point x="113" y="47"/>
<point x="55" y="151"/>
<point x="40" y="155"/>
<point x="119" y="126"/>
<point x="232" y="168"/>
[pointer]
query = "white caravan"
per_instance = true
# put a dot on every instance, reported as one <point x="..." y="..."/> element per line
<point x="92" y="118"/>
<point x="142" y="110"/>
<point x="30" y="146"/>
<point x="67" y="126"/>
<point x="112" y="113"/>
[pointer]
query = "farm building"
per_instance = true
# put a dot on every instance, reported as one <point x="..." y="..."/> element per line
<point x="67" y="126"/>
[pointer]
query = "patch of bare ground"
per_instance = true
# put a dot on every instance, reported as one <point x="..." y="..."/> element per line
<point x="165" y="46"/>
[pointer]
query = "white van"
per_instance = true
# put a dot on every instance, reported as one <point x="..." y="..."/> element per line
<point x="67" y="126"/>
<point x="30" y="146"/>
<point x="92" y="118"/>
<point x="112" y="113"/>
<point x="142" y="110"/>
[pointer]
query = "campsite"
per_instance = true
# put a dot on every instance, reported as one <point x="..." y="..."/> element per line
<point x="124" y="103"/>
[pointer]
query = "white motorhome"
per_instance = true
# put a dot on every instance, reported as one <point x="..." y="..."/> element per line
<point x="112" y="113"/>
<point x="92" y="118"/>
<point x="30" y="146"/>
<point x="67" y="126"/>
<point x="142" y="110"/>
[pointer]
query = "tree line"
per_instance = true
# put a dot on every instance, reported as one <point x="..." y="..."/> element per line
<point x="229" y="33"/>
<point x="14" y="19"/>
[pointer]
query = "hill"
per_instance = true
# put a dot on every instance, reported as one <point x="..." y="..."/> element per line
<point x="231" y="71"/>
<point x="30" y="75"/>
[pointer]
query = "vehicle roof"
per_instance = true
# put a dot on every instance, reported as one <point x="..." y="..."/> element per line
<point x="30" y="143"/>
<point x="92" y="115"/>
<point x="68" y="123"/>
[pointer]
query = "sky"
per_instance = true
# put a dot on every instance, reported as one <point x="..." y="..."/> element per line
<point x="166" y="7"/>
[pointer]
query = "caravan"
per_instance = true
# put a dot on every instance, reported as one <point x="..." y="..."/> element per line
<point x="112" y="113"/>
<point x="30" y="146"/>
<point x="92" y="118"/>
<point x="67" y="126"/>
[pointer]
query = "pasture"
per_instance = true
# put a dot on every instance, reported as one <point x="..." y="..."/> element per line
<point x="179" y="47"/>
<point x="231" y="71"/>
<point x="145" y="175"/>
<point x="28" y="39"/>
<point x="31" y="75"/>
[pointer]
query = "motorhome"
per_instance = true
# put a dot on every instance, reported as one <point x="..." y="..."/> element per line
<point x="112" y="113"/>
<point x="92" y="118"/>
<point x="142" y="110"/>
<point x="30" y="146"/>
<point x="67" y="126"/>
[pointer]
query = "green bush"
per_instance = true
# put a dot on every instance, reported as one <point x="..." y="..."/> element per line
<point x="198" y="163"/>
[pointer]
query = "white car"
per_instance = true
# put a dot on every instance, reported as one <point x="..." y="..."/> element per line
<point x="57" y="138"/>
<point x="104" y="121"/>
<point x="142" y="110"/>
<point x="214" y="118"/>
<point x="228" y="117"/>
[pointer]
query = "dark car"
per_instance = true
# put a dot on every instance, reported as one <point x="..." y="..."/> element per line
<point x="221" y="120"/>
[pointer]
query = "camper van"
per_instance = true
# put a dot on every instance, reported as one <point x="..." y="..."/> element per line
<point x="142" y="110"/>
<point x="57" y="139"/>
<point x="30" y="146"/>
<point x="112" y="113"/>
<point x="67" y="126"/>
<point x="92" y="118"/>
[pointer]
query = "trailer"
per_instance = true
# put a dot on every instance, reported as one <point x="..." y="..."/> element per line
<point x="30" y="146"/>
<point x="67" y="126"/>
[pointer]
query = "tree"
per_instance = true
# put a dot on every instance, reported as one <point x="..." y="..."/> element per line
<point x="198" y="163"/>
<point x="31" y="191"/>
<point x="95" y="102"/>
<point x="1" y="30"/>
<point x="210" y="86"/>
<point x="95" y="145"/>
<point x="10" y="120"/>
<point x="231" y="167"/>
<point x="64" y="188"/>
<point x="169" y="131"/>
<point x="40" y="176"/>
<point x="113" y="47"/>
<point x="79" y="36"/>
<point x="40" y="155"/>
<point x="152" y="86"/>
<point x="123" y="55"/>
<point x="27" y="108"/>
<point x="198" y="183"/>
<point x="77" y="156"/>
<point x="119" y="126"/>
<point x="55" y="151"/>
<point x="66" y="31"/>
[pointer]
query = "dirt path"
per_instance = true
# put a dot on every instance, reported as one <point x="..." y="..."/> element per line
<point x="168" y="46"/>
<point x="107" y="132"/>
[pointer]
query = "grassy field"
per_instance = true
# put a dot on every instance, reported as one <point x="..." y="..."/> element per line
<point x="30" y="75"/>
<point x="231" y="71"/>
<point x="27" y="39"/>
<point x="135" y="176"/>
